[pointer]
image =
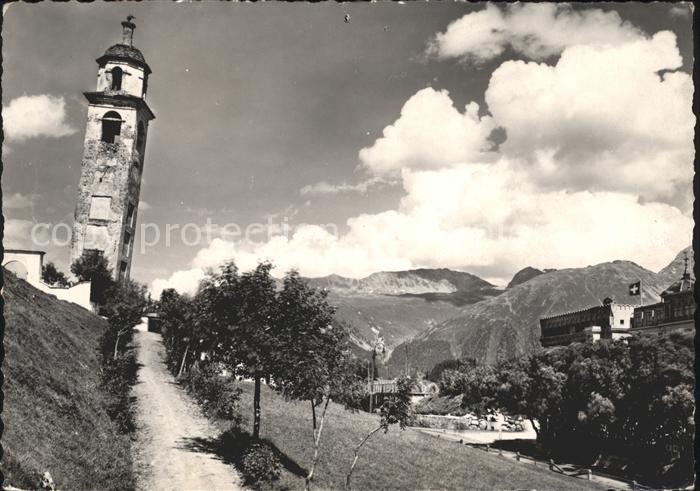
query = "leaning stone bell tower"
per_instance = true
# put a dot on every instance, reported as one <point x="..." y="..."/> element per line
<point x="113" y="156"/>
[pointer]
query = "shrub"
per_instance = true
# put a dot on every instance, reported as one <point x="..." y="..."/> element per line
<point x="260" y="465"/>
<point x="216" y="394"/>
<point x="118" y="376"/>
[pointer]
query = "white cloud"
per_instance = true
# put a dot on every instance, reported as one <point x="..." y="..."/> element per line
<point x="185" y="281"/>
<point x="535" y="30"/>
<point x="431" y="133"/>
<point x="486" y="217"/>
<point x="596" y="166"/>
<point x="323" y="188"/>
<point x="33" y="116"/>
<point x="17" y="233"/>
<point x="144" y="206"/>
<point x="601" y="118"/>
<point x="17" y="201"/>
<point x="682" y="9"/>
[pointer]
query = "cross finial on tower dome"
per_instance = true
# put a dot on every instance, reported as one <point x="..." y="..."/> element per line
<point x="128" y="30"/>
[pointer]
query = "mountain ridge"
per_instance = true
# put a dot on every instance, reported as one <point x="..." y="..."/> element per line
<point x="413" y="281"/>
<point x="398" y="305"/>
<point x="507" y="325"/>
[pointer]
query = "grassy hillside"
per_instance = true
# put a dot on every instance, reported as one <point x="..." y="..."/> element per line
<point x="396" y="460"/>
<point x="54" y="413"/>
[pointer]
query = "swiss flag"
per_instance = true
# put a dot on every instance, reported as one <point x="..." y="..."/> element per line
<point x="635" y="288"/>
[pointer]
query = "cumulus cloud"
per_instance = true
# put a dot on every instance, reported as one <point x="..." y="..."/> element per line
<point x="34" y="116"/>
<point x="682" y="10"/>
<point x="185" y="281"/>
<point x="17" y="201"/>
<point x="537" y="31"/>
<point x="601" y="118"/>
<point x="431" y="133"/>
<point x="17" y="233"/>
<point x="467" y="217"/>
<point x="323" y="188"/>
<point x="596" y="165"/>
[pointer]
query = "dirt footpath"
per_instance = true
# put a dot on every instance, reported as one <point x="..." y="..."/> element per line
<point x="169" y="425"/>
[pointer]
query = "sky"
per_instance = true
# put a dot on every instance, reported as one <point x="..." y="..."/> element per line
<point x="354" y="138"/>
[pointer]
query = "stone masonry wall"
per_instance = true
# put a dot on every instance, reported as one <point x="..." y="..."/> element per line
<point x="114" y="170"/>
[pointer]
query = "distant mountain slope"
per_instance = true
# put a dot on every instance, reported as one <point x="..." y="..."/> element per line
<point x="525" y="274"/>
<point x="674" y="270"/>
<point x="416" y="281"/>
<point x="55" y="416"/>
<point x="399" y="305"/>
<point x="395" y="318"/>
<point x="508" y="324"/>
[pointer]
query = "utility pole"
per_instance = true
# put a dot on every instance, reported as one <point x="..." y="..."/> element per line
<point x="371" y="382"/>
<point x="406" y="348"/>
<point x="378" y="343"/>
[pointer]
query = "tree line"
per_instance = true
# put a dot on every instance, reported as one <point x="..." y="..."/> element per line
<point x="631" y="398"/>
<point x="288" y="336"/>
<point x="122" y="304"/>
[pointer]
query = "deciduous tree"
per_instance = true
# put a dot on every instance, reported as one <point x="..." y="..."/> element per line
<point x="52" y="276"/>
<point x="395" y="410"/>
<point x="312" y="360"/>
<point x="93" y="266"/>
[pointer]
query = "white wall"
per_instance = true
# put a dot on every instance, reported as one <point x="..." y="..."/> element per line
<point x="32" y="261"/>
<point x="78" y="294"/>
<point x="132" y="78"/>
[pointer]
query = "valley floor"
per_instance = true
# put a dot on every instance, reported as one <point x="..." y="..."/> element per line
<point x="170" y="425"/>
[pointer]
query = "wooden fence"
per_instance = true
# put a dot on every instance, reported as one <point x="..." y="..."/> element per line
<point x="569" y="469"/>
<point x="564" y="469"/>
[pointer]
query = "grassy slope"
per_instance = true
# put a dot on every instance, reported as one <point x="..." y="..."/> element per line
<point x="397" y="460"/>
<point x="54" y="413"/>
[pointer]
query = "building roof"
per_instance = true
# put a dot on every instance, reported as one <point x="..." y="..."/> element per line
<point x="686" y="283"/>
<point x="594" y="307"/>
<point x="24" y="251"/>
<point x="124" y="52"/>
<point x="119" y="100"/>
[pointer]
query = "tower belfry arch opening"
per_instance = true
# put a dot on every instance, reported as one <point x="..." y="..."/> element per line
<point x="117" y="75"/>
<point x="111" y="127"/>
